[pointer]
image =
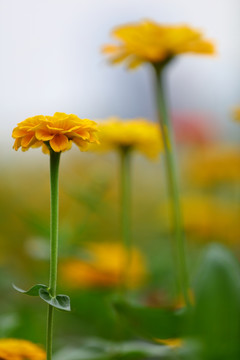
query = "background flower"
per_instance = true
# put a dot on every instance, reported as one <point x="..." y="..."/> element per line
<point x="135" y="134"/>
<point x="236" y="114"/>
<point x="105" y="267"/>
<point x="148" y="41"/>
<point x="15" y="349"/>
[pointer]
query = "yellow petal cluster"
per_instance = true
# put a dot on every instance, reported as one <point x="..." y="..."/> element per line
<point x="135" y="134"/>
<point x="106" y="267"/>
<point x="148" y="41"/>
<point x="15" y="349"/>
<point x="57" y="132"/>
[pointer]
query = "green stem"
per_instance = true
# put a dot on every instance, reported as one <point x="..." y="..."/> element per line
<point x="125" y="208"/>
<point x="171" y="172"/>
<point x="54" y="172"/>
<point x="49" y="332"/>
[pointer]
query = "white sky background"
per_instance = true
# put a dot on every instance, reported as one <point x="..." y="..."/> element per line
<point x="50" y="60"/>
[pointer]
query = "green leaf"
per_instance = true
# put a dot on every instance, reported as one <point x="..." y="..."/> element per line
<point x="217" y="296"/>
<point x="33" y="291"/>
<point x="61" y="302"/>
<point x="79" y="354"/>
<point x="158" y="323"/>
<point x="140" y="350"/>
<point x="96" y="349"/>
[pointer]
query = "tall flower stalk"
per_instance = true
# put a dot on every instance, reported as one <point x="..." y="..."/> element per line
<point x="54" y="134"/>
<point x="54" y="220"/>
<point x="125" y="154"/>
<point x="156" y="44"/>
<point x="125" y="137"/>
<point x="173" y="188"/>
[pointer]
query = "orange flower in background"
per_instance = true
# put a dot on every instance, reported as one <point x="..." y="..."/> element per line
<point x="135" y="134"/>
<point x="105" y="267"/>
<point x="148" y="41"/>
<point x="57" y="132"/>
<point x="15" y="349"/>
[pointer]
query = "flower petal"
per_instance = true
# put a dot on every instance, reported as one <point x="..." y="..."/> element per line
<point x="60" y="115"/>
<point x="59" y="143"/>
<point x="69" y="145"/>
<point x="45" y="149"/>
<point x="28" y="140"/>
<point x="64" y="125"/>
<point x="17" y="144"/>
<point x="110" y="49"/>
<point x="17" y="133"/>
<point x="37" y="144"/>
<point x="44" y="135"/>
<point x="134" y="63"/>
<point x="81" y="133"/>
<point x="83" y="145"/>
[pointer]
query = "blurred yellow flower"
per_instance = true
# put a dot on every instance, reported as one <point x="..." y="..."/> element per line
<point x="15" y="349"/>
<point x="134" y="134"/>
<point x="148" y="41"/>
<point x="213" y="164"/>
<point x="105" y="268"/>
<point x="173" y="343"/>
<point x="57" y="131"/>
<point x="236" y="114"/>
<point x="211" y="218"/>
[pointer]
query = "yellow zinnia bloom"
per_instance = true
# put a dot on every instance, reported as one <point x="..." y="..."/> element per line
<point x="15" y="349"/>
<point x="133" y="134"/>
<point x="148" y="41"/>
<point x="57" y="131"/>
<point x="105" y="268"/>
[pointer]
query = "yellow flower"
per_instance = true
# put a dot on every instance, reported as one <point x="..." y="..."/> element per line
<point x="134" y="134"/>
<point x="236" y="114"/>
<point x="15" y="349"/>
<point x="173" y="343"/>
<point x="207" y="218"/>
<point x="105" y="268"/>
<point x="221" y="164"/>
<point x="57" y="131"/>
<point x="148" y="41"/>
<point x="211" y="218"/>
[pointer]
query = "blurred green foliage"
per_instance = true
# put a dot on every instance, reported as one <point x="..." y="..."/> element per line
<point x="89" y="212"/>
